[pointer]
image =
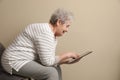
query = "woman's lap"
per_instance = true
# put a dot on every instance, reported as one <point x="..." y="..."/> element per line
<point x="39" y="72"/>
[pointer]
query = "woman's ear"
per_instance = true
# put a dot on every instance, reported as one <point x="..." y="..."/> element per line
<point x="58" y="22"/>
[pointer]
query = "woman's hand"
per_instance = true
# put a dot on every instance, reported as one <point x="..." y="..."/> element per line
<point x="65" y="58"/>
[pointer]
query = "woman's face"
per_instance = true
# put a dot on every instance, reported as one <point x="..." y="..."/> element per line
<point x="62" y="28"/>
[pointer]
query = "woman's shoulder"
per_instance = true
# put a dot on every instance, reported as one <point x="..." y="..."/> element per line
<point x="38" y="27"/>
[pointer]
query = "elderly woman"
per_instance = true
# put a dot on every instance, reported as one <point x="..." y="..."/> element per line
<point x="32" y="53"/>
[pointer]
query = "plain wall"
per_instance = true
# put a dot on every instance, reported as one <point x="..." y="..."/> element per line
<point x="96" y="27"/>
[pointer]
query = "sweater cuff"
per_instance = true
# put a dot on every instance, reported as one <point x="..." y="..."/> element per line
<point x="57" y="60"/>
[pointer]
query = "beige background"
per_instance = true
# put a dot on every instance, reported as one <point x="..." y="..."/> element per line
<point x="96" y="27"/>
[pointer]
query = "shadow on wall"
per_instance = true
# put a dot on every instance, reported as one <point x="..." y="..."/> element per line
<point x="119" y="68"/>
<point x="0" y="1"/>
<point x="119" y="72"/>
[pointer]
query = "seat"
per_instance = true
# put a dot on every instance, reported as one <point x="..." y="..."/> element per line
<point x="3" y="74"/>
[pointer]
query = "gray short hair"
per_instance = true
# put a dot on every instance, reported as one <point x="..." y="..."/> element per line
<point x="62" y="15"/>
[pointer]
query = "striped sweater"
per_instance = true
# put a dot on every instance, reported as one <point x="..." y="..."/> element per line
<point x="35" y="42"/>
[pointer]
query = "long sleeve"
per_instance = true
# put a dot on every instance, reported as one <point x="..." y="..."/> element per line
<point x="45" y="43"/>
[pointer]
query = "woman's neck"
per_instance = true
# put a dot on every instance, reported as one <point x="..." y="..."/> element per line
<point x="53" y="28"/>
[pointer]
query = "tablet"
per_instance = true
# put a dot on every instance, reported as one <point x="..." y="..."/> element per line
<point x="85" y="54"/>
<point x="81" y="56"/>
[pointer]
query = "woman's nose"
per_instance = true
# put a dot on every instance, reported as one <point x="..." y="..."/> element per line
<point x="66" y="29"/>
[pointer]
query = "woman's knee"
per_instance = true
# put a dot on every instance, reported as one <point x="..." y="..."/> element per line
<point x="52" y="74"/>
